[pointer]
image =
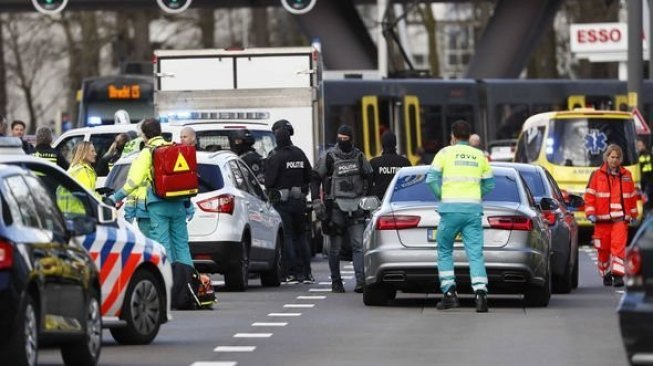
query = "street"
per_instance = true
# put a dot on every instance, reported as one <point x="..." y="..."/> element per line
<point x="308" y="325"/>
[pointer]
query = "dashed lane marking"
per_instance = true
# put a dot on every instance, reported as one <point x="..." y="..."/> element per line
<point x="347" y="278"/>
<point x="214" y="363"/>
<point x="347" y="272"/>
<point x="319" y="290"/>
<point x="284" y="314"/>
<point x="324" y="283"/>
<point x="234" y="349"/>
<point x="252" y="335"/>
<point x="315" y="297"/>
<point x="299" y="306"/>
<point x="279" y="324"/>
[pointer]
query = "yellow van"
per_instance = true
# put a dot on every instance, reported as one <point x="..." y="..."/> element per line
<point x="570" y="145"/>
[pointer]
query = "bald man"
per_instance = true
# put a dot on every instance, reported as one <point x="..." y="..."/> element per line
<point x="475" y="141"/>
<point x="187" y="136"/>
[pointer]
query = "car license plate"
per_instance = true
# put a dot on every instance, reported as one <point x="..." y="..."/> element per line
<point x="432" y="233"/>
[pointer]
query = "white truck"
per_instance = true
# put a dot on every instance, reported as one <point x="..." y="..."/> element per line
<point x="248" y="85"/>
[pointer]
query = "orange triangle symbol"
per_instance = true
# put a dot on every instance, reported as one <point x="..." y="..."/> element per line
<point x="181" y="165"/>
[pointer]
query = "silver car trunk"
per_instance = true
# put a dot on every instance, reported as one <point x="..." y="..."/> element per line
<point x="423" y="236"/>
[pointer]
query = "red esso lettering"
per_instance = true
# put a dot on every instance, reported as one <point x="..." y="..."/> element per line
<point x="599" y="35"/>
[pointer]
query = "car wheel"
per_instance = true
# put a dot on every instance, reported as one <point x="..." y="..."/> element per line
<point x="574" y="273"/>
<point x="236" y="279"/>
<point x="142" y="310"/>
<point x="22" y="347"/>
<point x="539" y="296"/>
<point x="378" y="295"/>
<point x="87" y="350"/>
<point x="563" y="284"/>
<point x="272" y="278"/>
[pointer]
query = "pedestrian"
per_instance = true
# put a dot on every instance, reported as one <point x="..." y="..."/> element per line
<point x="611" y="204"/>
<point x="346" y="176"/>
<point x="387" y="165"/>
<point x="459" y="177"/>
<point x="112" y="155"/>
<point x="44" y="149"/>
<point x="18" y="130"/>
<point x="187" y="136"/>
<point x="167" y="216"/>
<point x="287" y="179"/>
<point x="136" y="143"/>
<point x="135" y="208"/>
<point x="475" y="141"/>
<point x="646" y="173"/>
<point x="242" y="143"/>
<point x="81" y="170"/>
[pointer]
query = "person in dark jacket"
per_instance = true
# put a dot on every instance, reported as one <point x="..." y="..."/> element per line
<point x="242" y="143"/>
<point x="287" y="179"/>
<point x="18" y="130"/>
<point x="112" y="155"/>
<point x="387" y="165"/>
<point x="44" y="149"/>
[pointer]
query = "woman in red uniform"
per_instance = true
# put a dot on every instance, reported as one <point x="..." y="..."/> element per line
<point x="611" y="203"/>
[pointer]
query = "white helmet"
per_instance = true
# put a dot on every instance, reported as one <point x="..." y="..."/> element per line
<point x="121" y="117"/>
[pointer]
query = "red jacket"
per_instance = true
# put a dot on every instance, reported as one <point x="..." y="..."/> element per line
<point x="611" y="197"/>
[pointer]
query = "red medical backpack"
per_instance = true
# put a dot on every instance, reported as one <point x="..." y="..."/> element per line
<point x="175" y="171"/>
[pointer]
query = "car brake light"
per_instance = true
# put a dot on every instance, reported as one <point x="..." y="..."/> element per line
<point x="549" y="216"/>
<point x="397" y="222"/>
<point x="633" y="262"/>
<point x="224" y="203"/>
<point x="510" y="223"/>
<point x="6" y="254"/>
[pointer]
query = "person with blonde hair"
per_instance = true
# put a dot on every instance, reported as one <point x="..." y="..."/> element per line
<point x="81" y="165"/>
<point x="611" y="204"/>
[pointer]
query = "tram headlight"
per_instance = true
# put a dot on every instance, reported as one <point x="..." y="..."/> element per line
<point x="49" y="6"/>
<point x="173" y="6"/>
<point x="298" y="7"/>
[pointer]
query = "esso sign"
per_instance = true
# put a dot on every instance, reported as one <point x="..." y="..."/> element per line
<point x="599" y="37"/>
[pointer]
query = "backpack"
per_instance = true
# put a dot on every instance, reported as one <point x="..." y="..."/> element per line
<point x="190" y="289"/>
<point x="174" y="171"/>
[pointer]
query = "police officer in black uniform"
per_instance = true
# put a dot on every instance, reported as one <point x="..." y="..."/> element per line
<point x="287" y="179"/>
<point x="387" y="165"/>
<point x="242" y="142"/>
<point x="645" y="161"/>
<point x="43" y="148"/>
<point x="346" y="177"/>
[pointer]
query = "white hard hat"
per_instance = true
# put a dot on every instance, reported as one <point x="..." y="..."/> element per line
<point x="121" y="117"/>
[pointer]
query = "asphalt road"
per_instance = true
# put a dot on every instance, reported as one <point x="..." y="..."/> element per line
<point x="314" y="327"/>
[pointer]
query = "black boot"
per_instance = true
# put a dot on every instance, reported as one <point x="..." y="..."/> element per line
<point x="449" y="300"/>
<point x="359" y="287"/>
<point x="617" y="281"/>
<point x="607" y="279"/>
<point x="481" y="301"/>
<point x="337" y="287"/>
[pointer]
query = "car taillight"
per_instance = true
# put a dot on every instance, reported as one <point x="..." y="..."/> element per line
<point x="549" y="216"/>
<point x="397" y="222"/>
<point x="510" y="223"/>
<point x="633" y="262"/>
<point x="6" y="254"/>
<point x="224" y="203"/>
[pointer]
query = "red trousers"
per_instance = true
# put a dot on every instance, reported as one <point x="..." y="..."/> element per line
<point x="610" y="240"/>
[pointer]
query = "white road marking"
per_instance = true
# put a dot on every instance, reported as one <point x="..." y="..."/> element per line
<point x="252" y="335"/>
<point x="285" y="314"/>
<point x="269" y="324"/>
<point x="214" y="363"/>
<point x="324" y="283"/>
<point x="316" y="297"/>
<point x="620" y="292"/>
<point x="299" y="306"/>
<point x="319" y="290"/>
<point x="217" y="283"/>
<point x="347" y="278"/>
<point x="234" y="349"/>
<point x="347" y="272"/>
<point x="349" y="266"/>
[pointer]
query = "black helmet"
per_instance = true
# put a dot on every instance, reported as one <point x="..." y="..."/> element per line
<point x="243" y="134"/>
<point x="282" y="123"/>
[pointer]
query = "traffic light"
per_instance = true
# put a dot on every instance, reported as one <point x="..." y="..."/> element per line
<point x="49" y="6"/>
<point x="298" y="6"/>
<point x="173" y="6"/>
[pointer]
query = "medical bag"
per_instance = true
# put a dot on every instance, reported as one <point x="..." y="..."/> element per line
<point x="174" y="171"/>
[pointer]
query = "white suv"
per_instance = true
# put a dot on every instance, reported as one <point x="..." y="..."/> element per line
<point x="235" y="229"/>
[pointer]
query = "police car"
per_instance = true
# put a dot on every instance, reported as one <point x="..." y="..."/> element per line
<point x="135" y="274"/>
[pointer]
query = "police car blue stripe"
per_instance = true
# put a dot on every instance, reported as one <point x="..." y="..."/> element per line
<point x="88" y="241"/>
<point x="128" y="248"/>
<point x="108" y="245"/>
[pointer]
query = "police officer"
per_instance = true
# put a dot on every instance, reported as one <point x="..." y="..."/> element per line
<point x="346" y="177"/>
<point x="387" y="165"/>
<point x="460" y="176"/>
<point x="44" y="149"/>
<point x="287" y="179"/>
<point x="646" y="169"/>
<point x="242" y="142"/>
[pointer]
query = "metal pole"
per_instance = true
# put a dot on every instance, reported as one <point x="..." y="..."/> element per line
<point x="635" y="62"/>
<point x="650" y="39"/>
<point x="382" y="46"/>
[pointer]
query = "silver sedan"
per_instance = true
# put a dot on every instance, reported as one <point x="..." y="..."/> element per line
<point x="401" y="251"/>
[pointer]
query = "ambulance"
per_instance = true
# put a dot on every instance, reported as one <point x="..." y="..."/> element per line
<point x="570" y="145"/>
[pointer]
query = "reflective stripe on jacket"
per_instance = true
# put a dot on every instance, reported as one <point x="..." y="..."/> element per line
<point x="611" y="197"/>
<point x="139" y="176"/>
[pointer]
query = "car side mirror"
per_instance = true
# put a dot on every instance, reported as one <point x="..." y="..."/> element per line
<point x="81" y="225"/>
<point x="106" y="214"/>
<point x="548" y="204"/>
<point x="575" y="201"/>
<point x="369" y="203"/>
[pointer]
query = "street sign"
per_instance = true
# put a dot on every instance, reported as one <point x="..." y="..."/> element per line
<point x="641" y="126"/>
